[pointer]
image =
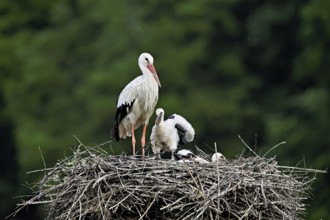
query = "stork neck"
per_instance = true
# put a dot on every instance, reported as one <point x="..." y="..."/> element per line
<point x="161" y="122"/>
<point x="146" y="72"/>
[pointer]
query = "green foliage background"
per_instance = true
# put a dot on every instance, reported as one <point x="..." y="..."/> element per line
<point x="255" y="68"/>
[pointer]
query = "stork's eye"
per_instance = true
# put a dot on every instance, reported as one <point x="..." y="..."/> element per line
<point x="147" y="59"/>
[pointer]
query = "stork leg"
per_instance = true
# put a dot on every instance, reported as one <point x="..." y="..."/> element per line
<point x="133" y="140"/>
<point x="143" y="139"/>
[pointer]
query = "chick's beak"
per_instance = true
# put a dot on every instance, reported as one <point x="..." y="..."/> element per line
<point x="159" y="118"/>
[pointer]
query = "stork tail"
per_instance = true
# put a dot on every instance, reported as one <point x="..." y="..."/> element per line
<point x="121" y="113"/>
<point x="115" y="131"/>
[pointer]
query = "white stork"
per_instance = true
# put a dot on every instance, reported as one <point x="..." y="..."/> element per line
<point x="217" y="157"/>
<point x="136" y="102"/>
<point x="166" y="135"/>
<point x="188" y="156"/>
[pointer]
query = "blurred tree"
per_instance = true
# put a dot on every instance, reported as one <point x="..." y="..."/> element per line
<point x="305" y="116"/>
<point x="10" y="183"/>
<point x="9" y="177"/>
<point x="290" y="40"/>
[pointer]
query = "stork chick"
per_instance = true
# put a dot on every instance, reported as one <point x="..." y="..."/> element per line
<point x="188" y="156"/>
<point x="167" y="134"/>
<point x="217" y="157"/>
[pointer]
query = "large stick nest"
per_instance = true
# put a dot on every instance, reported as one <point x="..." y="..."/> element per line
<point x="94" y="185"/>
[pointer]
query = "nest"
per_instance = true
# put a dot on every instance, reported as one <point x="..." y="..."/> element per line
<point x="91" y="184"/>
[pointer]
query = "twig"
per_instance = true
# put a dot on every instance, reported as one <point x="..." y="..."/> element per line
<point x="248" y="146"/>
<point x="148" y="207"/>
<point x="283" y="142"/>
<point x="218" y="175"/>
<point x="263" y="193"/>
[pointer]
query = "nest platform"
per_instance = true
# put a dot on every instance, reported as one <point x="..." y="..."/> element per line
<point x="91" y="184"/>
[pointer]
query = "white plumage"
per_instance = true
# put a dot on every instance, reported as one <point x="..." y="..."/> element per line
<point x="217" y="157"/>
<point x="188" y="156"/>
<point x="166" y="135"/>
<point x="136" y="102"/>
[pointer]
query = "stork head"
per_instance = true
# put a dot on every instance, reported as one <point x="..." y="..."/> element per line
<point x="147" y="61"/>
<point x="159" y="115"/>
<point x="217" y="157"/>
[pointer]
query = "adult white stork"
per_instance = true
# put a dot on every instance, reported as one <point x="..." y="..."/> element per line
<point x="166" y="135"/>
<point x="136" y="102"/>
<point x="188" y="156"/>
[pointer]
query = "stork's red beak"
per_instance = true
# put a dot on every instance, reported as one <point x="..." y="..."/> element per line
<point x="154" y="73"/>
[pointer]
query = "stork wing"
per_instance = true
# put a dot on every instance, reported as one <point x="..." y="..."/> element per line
<point x="185" y="131"/>
<point x="181" y="133"/>
<point x="183" y="154"/>
<point x="125" y="103"/>
<point x="130" y="92"/>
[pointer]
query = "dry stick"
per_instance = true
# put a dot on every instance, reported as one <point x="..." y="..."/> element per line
<point x="188" y="216"/>
<point x="99" y="150"/>
<point x="248" y="210"/>
<point x="148" y="207"/>
<point x="210" y="213"/>
<point x="283" y="213"/>
<point x="248" y="147"/>
<point x="80" y="143"/>
<point x="299" y="169"/>
<point x="119" y="177"/>
<point x="121" y="201"/>
<point x="202" y="209"/>
<point x="191" y="175"/>
<point x="40" y="170"/>
<point x="263" y="193"/>
<point x="171" y="204"/>
<point x="43" y="160"/>
<point x="283" y="142"/>
<point x="199" y="180"/>
<point x="218" y="175"/>
<point x="74" y="203"/>
<point x="80" y="209"/>
<point x="100" y="179"/>
<point x="231" y="188"/>
<point x="100" y="199"/>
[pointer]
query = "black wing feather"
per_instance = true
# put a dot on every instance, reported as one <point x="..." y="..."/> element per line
<point x="121" y="113"/>
<point x="171" y="117"/>
<point x="181" y="133"/>
<point x="178" y="156"/>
